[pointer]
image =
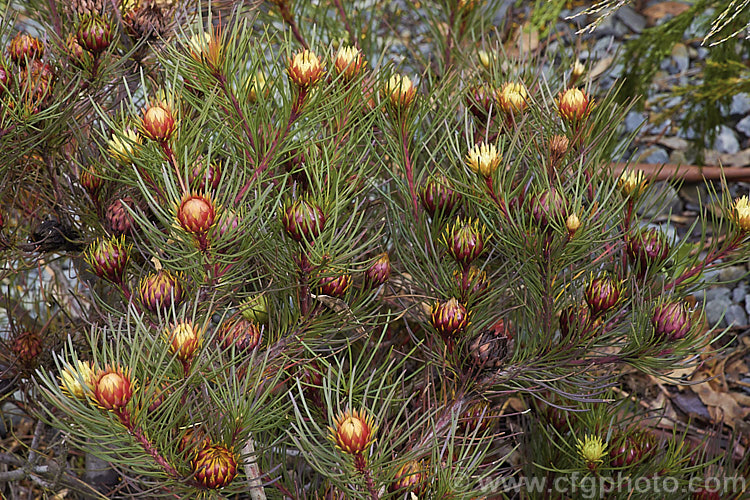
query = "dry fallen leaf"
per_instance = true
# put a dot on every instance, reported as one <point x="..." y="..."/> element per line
<point x="655" y="12"/>
<point x="721" y="406"/>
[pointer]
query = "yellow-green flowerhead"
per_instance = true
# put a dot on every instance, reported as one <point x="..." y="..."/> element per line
<point x="77" y="380"/>
<point x="632" y="183"/>
<point x="400" y="91"/>
<point x="483" y="159"/>
<point x="742" y="213"/>
<point x="122" y="148"/>
<point x="592" y="450"/>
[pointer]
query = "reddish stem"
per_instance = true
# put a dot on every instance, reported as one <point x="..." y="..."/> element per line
<point x="288" y="18"/>
<point x="409" y="170"/>
<point x="237" y="109"/>
<point x="710" y="260"/>
<point x="148" y="447"/>
<point x="169" y="153"/>
<point x="360" y="463"/>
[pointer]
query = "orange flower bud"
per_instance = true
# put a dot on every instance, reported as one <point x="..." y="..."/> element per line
<point x="184" y="339"/>
<point x="349" y="62"/>
<point x="305" y="69"/>
<point x="574" y="105"/>
<point x="158" y="122"/>
<point x="196" y="214"/>
<point x="399" y="91"/>
<point x="113" y="388"/>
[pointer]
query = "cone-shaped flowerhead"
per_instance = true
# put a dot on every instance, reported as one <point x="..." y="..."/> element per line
<point x="742" y="213"/>
<point x="94" y="34"/>
<point x="437" y="196"/>
<point x="574" y="105"/>
<point x="592" y="450"/>
<point x="558" y="147"/>
<point x="123" y="148"/>
<point x="205" y="177"/>
<point x="632" y="183"/>
<point x="196" y="214"/>
<point x="547" y="206"/>
<point x="91" y="181"/>
<point x="625" y="451"/>
<point x="303" y="220"/>
<point x="483" y="159"/>
<point x="214" y="466"/>
<point x="601" y="294"/>
<point x="671" y="320"/>
<point x="24" y="48"/>
<point x="574" y="321"/>
<point x="479" y="100"/>
<point x="255" y="308"/>
<point x="488" y="350"/>
<point x="26" y="347"/>
<point x="512" y="98"/>
<point x="353" y="431"/>
<point x="477" y="284"/>
<point x="158" y="123"/>
<point x="379" y="271"/>
<point x="399" y="91"/>
<point x="349" y="62"/>
<point x="113" y="388"/>
<point x="305" y="69"/>
<point x="118" y="218"/>
<point x="410" y="477"/>
<point x="243" y="334"/>
<point x="335" y="286"/>
<point x="648" y="248"/>
<point x="160" y="290"/>
<point x="572" y="223"/>
<point x="77" y="380"/>
<point x="577" y="70"/>
<point x="465" y="241"/>
<point x="449" y="318"/>
<point x="109" y="257"/>
<point x="184" y="340"/>
<point x="6" y="79"/>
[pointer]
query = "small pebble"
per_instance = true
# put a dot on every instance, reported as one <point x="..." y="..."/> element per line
<point x="744" y="126"/>
<point x="732" y="274"/>
<point x="631" y="18"/>
<point x="740" y="104"/>
<point x="717" y="293"/>
<point x="716" y="309"/>
<point x="735" y="316"/>
<point x="726" y="141"/>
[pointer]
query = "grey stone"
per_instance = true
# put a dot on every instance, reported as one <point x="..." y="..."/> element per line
<point x="635" y="119"/>
<point x="738" y="294"/>
<point x="718" y="293"/>
<point x="604" y="46"/>
<point x="735" y="316"/>
<point x="732" y="274"/>
<point x="631" y="18"/>
<point x="747" y="303"/>
<point x="726" y="141"/>
<point x="654" y="154"/>
<point x="715" y="311"/>
<point x="702" y="52"/>
<point x="740" y="104"/>
<point x="680" y="57"/>
<point x="744" y="126"/>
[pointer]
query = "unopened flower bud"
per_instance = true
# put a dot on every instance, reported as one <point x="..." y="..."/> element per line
<point x="488" y="350"/>
<point x="196" y="214"/>
<point x="479" y="101"/>
<point x="574" y="105"/>
<point x="94" y="34"/>
<point x="464" y="241"/>
<point x="558" y="148"/>
<point x="113" y="388"/>
<point x="449" y="318"/>
<point x="671" y="320"/>
<point x="379" y="271"/>
<point x="108" y="258"/>
<point x="214" y="466"/>
<point x="91" y="181"/>
<point x="476" y="284"/>
<point x="204" y="178"/>
<point x="438" y="197"/>
<point x="349" y="62"/>
<point x="207" y="48"/>
<point x="575" y="321"/>
<point x="512" y="98"/>
<point x="546" y="207"/>
<point x="602" y="294"/>
<point x="184" y="339"/>
<point x="410" y="477"/>
<point x="624" y="453"/>
<point x="742" y="213"/>
<point x="158" y="122"/>
<point x="353" y="431"/>
<point x="647" y="249"/>
<point x="572" y="223"/>
<point x="483" y="159"/>
<point x="335" y="286"/>
<point x="305" y="69"/>
<point x="243" y="334"/>
<point x="399" y="91"/>
<point x="77" y="380"/>
<point x="160" y="290"/>
<point x="303" y="220"/>
<point x="577" y="70"/>
<point x="485" y="59"/>
<point x="24" y="48"/>
<point x="477" y="418"/>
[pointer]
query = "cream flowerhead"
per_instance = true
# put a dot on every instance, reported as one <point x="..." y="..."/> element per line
<point x="483" y="159"/>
